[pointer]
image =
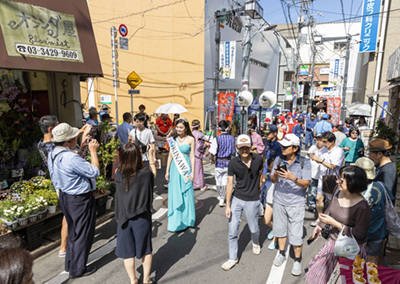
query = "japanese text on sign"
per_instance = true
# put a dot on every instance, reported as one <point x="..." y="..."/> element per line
<point x="227" y="59"/>
<point x="333" y="109"/>
<point x="26" y="25"/>
<point x="369" y="25"/>
<point x="225" y="106"/>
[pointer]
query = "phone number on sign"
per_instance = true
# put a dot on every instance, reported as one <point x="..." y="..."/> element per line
<point x="36" y="50"/>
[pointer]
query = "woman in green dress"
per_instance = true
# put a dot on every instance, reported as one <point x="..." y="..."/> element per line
<point x="181" y="205"/>
<point x="353" y="147"/>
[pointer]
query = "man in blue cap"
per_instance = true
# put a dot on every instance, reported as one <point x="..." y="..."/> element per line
<point x="273" y="147"/>
<point x="298" y="129"/>
<point x="310" y="123"/>
<point x="323" y="125"/>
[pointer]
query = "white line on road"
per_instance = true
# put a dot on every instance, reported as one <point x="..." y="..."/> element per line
<point x="157" y="197"/>
<point x="103" y="250"/>
<point x="276" y="273"/>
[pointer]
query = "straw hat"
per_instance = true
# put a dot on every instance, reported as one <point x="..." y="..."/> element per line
<point x="367" y="165"/>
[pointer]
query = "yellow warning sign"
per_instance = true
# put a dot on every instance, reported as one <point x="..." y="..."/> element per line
<point x="133" y="80"/>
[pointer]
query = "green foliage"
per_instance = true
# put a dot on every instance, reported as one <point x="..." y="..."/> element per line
<point x="383" y="131"/>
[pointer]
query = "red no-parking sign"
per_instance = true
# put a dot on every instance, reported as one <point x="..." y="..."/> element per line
<point x="123" y="30"/>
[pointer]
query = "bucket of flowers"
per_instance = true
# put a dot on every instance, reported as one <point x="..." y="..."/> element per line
<point x="25" y="210"/>
<point x="42" y="206"/>
<point x="10" y="215"/>
<point x="33" y="216"/>
<point x="52" y="199"/>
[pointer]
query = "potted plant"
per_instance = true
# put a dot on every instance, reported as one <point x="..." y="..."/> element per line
<point x="52" y="199"/>
<point x="24" y="210"/>
<point x="42" y="207"/>
<point x="10" y="215"/>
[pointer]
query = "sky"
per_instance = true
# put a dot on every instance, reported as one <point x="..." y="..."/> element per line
<point x="330" y="9"/>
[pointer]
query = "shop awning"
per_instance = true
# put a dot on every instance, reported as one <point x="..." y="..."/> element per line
<point x="52" y="36"/>
<point x="388" y="87"/>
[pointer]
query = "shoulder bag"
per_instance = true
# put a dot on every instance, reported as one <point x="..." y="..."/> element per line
<point x="329" y="182"/>
<point x="392" y="220"/>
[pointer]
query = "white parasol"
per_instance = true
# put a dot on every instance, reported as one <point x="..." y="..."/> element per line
<point x="171" y="108"/>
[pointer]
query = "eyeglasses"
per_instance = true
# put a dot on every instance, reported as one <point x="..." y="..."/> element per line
<point x="250" y="173"/>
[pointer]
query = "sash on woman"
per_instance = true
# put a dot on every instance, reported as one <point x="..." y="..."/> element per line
<point x="179" y="159"/>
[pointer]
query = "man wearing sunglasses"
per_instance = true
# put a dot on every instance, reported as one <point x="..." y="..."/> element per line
<point x="291" y="174"/>
<point x="247" y="168"/>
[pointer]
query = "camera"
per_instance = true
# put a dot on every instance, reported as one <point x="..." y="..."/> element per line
<point x="143" y="148"/>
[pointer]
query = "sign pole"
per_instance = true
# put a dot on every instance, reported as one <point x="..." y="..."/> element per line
<point x="216" y="72"/>
<point x="344" y="88"/>
<point x="131" y="102"/>
<point x="114" y="54"/>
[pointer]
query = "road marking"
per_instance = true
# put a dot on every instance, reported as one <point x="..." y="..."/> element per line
<point x="276" y="273"/>
<point x="101" y="251"/>
<point x="157" y="197"/>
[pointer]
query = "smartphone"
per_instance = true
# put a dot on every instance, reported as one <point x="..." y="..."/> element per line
<point x="283" y="167"/>
<point x="311" y="239"/>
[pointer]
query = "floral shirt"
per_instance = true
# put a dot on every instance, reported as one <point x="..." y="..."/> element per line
<point x="44" y="149"/>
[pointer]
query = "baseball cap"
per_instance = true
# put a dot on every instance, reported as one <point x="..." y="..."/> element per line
<point x="243" y="141"/>
<point x="379" y="144"/>
<point x="290" y="140"/>
<point x="367" y="165"/>
<point x="289" y="113"/>
<point x="64" y="132"/>
<point x="300" y="119"/>
<point x="267" y="119"/>
<point x="325" y="116"/>
<point x="319" y="135"/>
<point x="271" y="128"/>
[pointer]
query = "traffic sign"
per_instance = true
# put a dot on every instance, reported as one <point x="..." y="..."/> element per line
<point x="134" y="92"/>
<point x="123" y="30"/>
<point x="123" y="43"/>
<point x="133" y="80"/>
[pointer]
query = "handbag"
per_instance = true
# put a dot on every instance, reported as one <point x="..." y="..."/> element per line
<point x="346" y="246"/>
<point x="392" y="220"/>
<point x="329" y="182"/>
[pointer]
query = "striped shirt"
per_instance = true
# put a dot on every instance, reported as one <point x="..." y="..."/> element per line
<point x="223" y="148"/>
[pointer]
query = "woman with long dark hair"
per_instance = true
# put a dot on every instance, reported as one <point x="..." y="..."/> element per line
<point x="348" y="211"/>
<point x="181" y="206"/>
<point x="133" y="199"/>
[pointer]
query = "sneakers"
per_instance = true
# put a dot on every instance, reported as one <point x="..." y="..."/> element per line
<point x="279" y="259"/>
<point x="296" y="270"/>
<point x="273" y="246"/>
<point x="256" y="249"/>
<point x="311" y="208"/>
<point x="229" y="264"/>
<point x="204" y="188"/>
<point x="270" y="235"/>
<point x="221" y="203"/>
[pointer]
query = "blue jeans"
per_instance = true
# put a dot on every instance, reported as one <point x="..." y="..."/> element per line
<point x="312" y="192"/>
<point x="309" y="138"/>
<point x="251" y="210"/>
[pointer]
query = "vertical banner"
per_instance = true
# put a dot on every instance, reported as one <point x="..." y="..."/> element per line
<point x="225" y="106"/>
<point x="384" y="113"/>
<point x="369" y="25"/>
<point x="333" y="109"/>
<point x="227" y="55"/>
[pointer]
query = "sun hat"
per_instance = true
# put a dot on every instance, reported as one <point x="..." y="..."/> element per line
<point x="367" y="165"/>
<point x="243" y="141"/>
<point x="290" y="140"/>
<point x="379" y="144"/>
<point x="64" y="132"/>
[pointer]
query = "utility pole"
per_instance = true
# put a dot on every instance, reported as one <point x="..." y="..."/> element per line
<point x="344" y="88"/>
<point x="246" y="69"/>
<point x="296" y="83"/>
<point x="114" y="53"/>
<point x="216" y="72"/>
<point x="314" y="51"/>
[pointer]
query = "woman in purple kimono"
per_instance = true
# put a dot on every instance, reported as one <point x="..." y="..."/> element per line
<point x="198" y="182"/>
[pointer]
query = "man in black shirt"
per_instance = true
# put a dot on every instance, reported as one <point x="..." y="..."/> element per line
<point x="247" y="168"/>
<point x="386" y="172"/>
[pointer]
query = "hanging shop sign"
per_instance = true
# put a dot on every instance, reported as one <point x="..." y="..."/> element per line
<point x="336" y="72"/>
<point x="333" y="108"/>
<point x="304" y="69"/>
<point x="227" y="57"/>
<point x="225" y="106"/>
<point x="369" y="25"/>
<point x="34" y="31"/>
<point x="105" y="99"/>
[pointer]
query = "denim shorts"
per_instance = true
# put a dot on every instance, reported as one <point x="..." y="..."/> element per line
<point x="375" y="248"/>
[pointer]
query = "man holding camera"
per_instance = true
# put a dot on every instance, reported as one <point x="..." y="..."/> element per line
<point x="143" y="137"/>
<point x="291" y="174"/>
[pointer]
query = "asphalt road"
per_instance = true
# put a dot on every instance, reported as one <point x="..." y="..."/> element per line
<point x="192" y="256"/>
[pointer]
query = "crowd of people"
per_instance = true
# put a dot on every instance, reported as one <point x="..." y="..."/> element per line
<point x="261" y="172"/>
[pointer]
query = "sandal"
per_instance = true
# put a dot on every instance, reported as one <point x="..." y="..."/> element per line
<point x="314" y="224"/>
<point x="153" y="281"/>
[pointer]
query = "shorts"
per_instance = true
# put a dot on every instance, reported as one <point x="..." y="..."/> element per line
<point x="288" y="222"/>
<point x="134" y="237"/>
<point x="375" y="248"/>
<point x="270" y="194"/>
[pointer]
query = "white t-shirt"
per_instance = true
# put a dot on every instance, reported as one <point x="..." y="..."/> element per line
<point x="334" y="156"/>
<point x="314" y="165"/>
<point x="145" y="137"/>
<point x="339" y="137"/>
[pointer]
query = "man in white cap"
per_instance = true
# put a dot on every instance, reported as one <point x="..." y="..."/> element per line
<point x="247" y="167"/>
<point x="291" y="174"/>
<point x="74" y="179"/>
<point x="376" y="198"/>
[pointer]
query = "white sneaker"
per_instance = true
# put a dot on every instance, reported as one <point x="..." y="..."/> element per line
<point x="256" y="249"/>
<point x="221" y="203"/>
<point x="229" y="264"/>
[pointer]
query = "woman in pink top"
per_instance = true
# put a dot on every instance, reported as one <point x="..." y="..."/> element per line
<point x="198" y="182"/>
<point x="256" y="139"/>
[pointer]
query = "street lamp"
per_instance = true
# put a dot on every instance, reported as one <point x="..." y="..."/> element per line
<point x="253" y="9"/>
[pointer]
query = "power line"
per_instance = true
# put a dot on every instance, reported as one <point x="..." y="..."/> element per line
<point x="344" y="21"/>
